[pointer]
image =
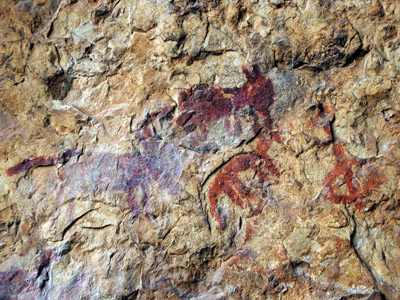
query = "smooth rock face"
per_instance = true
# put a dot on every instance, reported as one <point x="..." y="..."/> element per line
<point x="199" y="149"/>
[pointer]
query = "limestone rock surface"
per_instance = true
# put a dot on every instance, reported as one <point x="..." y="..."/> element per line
<point x="198" y="149"/>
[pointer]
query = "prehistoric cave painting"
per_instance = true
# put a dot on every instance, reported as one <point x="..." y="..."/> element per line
<point x="200" y="107"/>
<point x="359" y="178"/>
<point x="27" y="164"/>
<point x="228" y="181"/>
<point x="251" y="102"/>
<point x="242" y="110"/>
<point x="239" y="111"/>
<point x="134" y="173"/>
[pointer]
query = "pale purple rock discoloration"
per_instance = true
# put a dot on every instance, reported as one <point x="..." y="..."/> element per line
<point x="133" y="173"/>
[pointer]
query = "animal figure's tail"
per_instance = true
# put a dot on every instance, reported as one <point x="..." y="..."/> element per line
<point x="27" y="164"/>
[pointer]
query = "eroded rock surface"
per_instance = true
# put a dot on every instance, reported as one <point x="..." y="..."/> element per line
<point x="199" y="149"/>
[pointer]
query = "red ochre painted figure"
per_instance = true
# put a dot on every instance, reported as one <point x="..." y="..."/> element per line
<point x="228" y="181"/>
<point x="344" y="168"/>
<point x="198" y="108"/>
<point x="204" y="106"/>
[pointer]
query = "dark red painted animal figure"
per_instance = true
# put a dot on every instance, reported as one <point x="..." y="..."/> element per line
<point x="198" y="109"/>
<point x="201" y="107"/>
<point x="345" y="167"/>
<point x="228" y="181"/>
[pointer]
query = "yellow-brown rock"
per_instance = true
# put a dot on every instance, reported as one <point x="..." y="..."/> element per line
<point x="197" y="149"/>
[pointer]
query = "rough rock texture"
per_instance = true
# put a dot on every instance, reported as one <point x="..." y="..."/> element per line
<point x="198" y="149"/>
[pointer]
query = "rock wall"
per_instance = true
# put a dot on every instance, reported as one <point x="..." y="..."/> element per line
<point x="198" y="149"/>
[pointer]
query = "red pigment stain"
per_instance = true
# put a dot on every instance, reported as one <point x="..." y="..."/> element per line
<point x="15" y="281"/>
<point x="340" y="244"/>
<point x="251" y="230"/>
<point x="228" y="181"/>
<point x="241" y="260"/>
<point x="163" y="113"/>
<point x="202" y="106"/>
<point x="360" y="204"/>
<point x="27" y="164"/>
<point x="344" y="167"/>
<point x="249" y="234"/>
<point x="199" y="107"/>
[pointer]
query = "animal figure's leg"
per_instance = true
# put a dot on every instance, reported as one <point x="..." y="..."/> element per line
<point x="218" y="188"/>
<point x="133" y="203"/>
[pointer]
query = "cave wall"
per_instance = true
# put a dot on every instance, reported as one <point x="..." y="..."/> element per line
<point x="198" y="149"/>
